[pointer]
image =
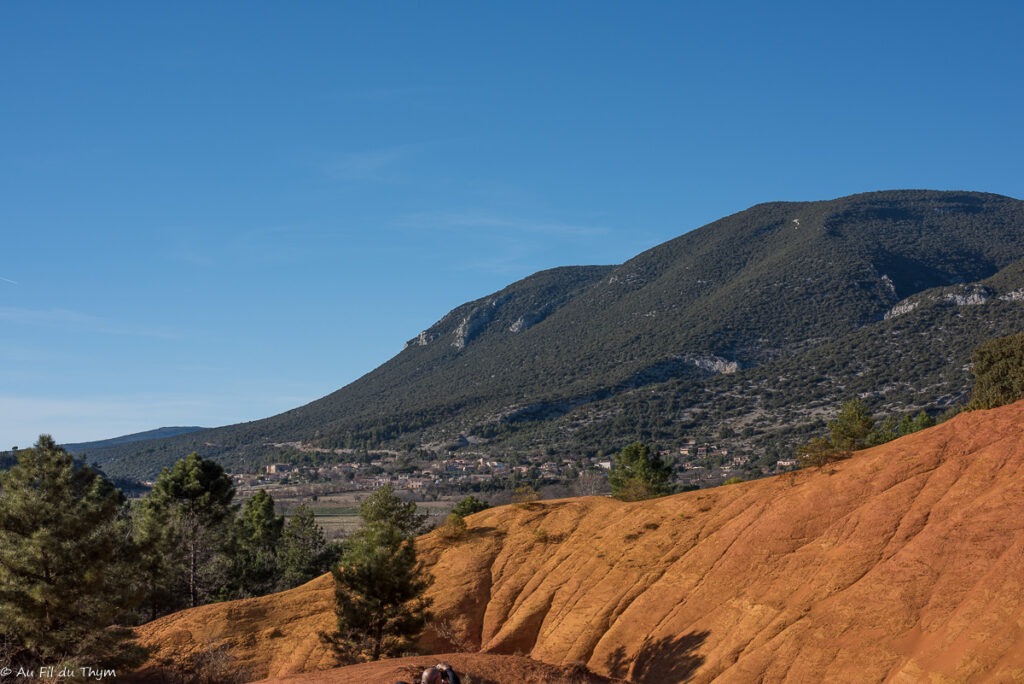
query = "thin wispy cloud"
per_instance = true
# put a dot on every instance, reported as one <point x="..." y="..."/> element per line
<point x="380" y="164"/>
<point x="8" y="280"/>
<point x="371" y="165"/>
<point x="77" y="321"/>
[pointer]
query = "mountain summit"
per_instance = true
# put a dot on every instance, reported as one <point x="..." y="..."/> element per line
<point x="749" y="328"/>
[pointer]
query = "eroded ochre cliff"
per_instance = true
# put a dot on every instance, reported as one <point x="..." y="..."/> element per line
<point x="904" y="563"/>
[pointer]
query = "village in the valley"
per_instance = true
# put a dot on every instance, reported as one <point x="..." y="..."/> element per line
<point x="429" y="476"/>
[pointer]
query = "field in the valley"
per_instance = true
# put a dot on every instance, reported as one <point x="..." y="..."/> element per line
<point x="338" y="513"/>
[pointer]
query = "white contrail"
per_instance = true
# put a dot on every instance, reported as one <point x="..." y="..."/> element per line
<point x="8" y="280"/>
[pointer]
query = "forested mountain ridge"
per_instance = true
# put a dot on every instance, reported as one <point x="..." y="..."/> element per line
<point x="159" y="433"/>
<point x="748" y="328"/>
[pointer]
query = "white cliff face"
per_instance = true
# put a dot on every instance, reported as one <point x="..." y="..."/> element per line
<point x="425" y="338"/>
<point x="715" y="364"/>
<point x="496" y="312"/>
<point x="1014" y="296"/>
<point x="889" y="285"/>
<point x="971" y="295"/>
<point x="630" y="279"/>
<point x="969" y="299"/>
<point x="903" y="307"/>
<point x="519" y="326"/>
<point x="465" y="331"/>
<point x="474" y="323"/>
<point x="532" y="318"/>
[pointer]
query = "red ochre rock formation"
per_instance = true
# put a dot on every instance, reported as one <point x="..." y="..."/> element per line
<point x="904" y="563"/>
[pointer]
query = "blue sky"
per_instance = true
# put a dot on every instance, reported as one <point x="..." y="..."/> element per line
<point x="214" y="212"/>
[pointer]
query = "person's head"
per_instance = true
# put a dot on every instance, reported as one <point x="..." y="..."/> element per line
<point x="437" y="674"/>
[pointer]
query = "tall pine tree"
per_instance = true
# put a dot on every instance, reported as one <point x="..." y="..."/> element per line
<point x="303" y="553"/>
<point x="257" y="533"/>
<point x="379" y="583"/>
<point x="65" y="578"/>
<point x="185" y="523"/>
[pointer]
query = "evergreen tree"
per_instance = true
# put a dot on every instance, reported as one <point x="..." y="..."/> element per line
<point x="65" y="578"/>
<point x="638" y="473"/>
<point x="384" y="506"/>
<point x="998" y="372"/>
<point x="818" y="452"/>
<point x="469" y="506"/>
<point x="257" y="533"/>
<point x="852" y="427"/>
<point x="160" y="562"/>
<point x="921" y="421"/>
<point x="303" y="553"/>
<point x="185" y="523"/>
<point x="379" y="583"/>
<point x="888" y="430"/>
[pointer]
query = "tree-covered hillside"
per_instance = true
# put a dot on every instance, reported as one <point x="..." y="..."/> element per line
<point x="747" y="329"/>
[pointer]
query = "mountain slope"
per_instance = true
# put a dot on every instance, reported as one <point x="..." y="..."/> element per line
<point x="900" y="564"/>
<point x="570" y="360"/>
<point x="159" y="433"/>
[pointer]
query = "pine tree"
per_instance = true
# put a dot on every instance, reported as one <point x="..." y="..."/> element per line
<point x="998" y="367"/>
<point x="384" y="506"/>
<point x="185" y="522"/>
<point x="638" y="473"/>
<point x="851" y="428"/>
<point x="303" y="552"/>
<point x="257" y="533"/>
<point x="469" y="506"/>
<point x="379" y="583"/>
<point x="65" y="578"/>
<point x="160" y="562"/>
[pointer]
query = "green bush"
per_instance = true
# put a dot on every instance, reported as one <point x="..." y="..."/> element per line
<point x="639" y="473"/>
<point x="998" y="372"/>
<point x="454" y="528"/>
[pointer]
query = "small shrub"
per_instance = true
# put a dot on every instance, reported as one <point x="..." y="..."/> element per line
<point x="525" y="495"/>
<point x="469" y="506"/>
<point x="454" y="528"/>
<point x="450" y="633"/>
<point x="819" y="452"/>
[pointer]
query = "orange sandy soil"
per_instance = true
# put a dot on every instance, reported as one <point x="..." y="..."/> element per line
<point x="473" y="668"/>
<point x="904" y="563"/>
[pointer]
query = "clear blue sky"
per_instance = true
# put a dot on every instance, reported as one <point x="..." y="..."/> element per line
<point x="214" y="212"/>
